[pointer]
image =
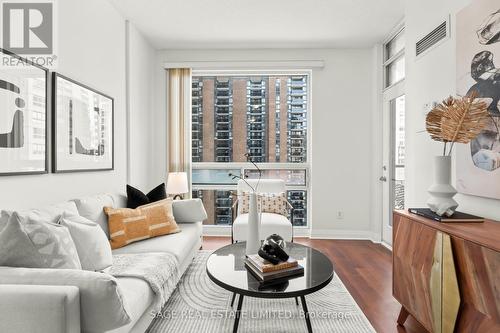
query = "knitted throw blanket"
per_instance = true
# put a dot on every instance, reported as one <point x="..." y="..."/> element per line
<point x="160" y="270"/>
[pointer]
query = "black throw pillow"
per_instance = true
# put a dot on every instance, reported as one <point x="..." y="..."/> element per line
<point x="136" y="198"/>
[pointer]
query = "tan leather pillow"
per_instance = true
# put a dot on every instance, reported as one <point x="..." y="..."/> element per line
<point x="131" y="225"/>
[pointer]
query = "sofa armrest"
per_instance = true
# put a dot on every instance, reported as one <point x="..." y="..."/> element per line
<point x="189" y="211"/>
<point x="102" y="306"/>
<point x="35" y="308"/>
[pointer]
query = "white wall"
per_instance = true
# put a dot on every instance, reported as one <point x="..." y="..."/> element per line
<point x="91" y="50"/>
<point x="341" y="131"/>
<point x="376" y="145"/>
<point x="141" y="57"/>
<point x="431" y="78"/>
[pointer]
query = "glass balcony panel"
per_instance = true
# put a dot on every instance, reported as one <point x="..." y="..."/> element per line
<point x="291" y="177"/>
<point x="214" y="176"/>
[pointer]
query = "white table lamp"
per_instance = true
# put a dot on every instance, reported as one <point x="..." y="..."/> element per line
<point x="177" y="184"/>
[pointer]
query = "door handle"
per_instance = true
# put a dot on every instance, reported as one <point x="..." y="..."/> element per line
<point x="383" y="179"/>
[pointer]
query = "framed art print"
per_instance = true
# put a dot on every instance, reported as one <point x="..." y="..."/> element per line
<point x="477" y="164"/>
<point x="83" y="127"/>
<point x="23" y="116"/>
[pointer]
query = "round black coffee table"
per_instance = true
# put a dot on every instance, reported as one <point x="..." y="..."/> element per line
<point x="226" y="267"/>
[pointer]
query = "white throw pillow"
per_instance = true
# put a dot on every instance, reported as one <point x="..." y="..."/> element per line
<point x="189" y="211"/>
<point x="101" y="301"/>
<point x="4" y="218"/>
<point x="91" y="242"/>
<point x="92" y="208"/>
<point x="37" y="244"/>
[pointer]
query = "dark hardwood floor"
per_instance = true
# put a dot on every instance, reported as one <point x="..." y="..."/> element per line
<point x="365" y="269"/>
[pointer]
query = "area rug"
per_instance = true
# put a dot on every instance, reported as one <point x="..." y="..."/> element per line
<point x="199" y="305"/>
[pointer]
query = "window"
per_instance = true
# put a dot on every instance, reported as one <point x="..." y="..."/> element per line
<point x="264" y="115"/>
<point x="394" y="59"/>
<point x="398" y="108"/>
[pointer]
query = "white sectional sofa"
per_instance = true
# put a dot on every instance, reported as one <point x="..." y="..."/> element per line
<point x="66" y="300"/>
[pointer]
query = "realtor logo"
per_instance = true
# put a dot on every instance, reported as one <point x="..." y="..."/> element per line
<point x="28" y="27"/>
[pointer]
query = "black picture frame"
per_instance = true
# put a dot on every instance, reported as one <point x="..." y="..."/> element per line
<point x="55" y="169"/>
<point x="47" y="133"/>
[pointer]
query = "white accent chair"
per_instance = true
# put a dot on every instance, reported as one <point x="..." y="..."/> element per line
<point x="270" y="223"/>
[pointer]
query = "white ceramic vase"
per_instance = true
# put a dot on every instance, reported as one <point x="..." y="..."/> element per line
<point x="442" y="192"/>
<point x="253" y="231"/>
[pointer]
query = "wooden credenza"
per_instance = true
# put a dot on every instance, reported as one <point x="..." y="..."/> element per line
<point x="447" y="276"/>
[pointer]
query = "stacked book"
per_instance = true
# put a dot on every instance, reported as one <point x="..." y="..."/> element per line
<point x="456" y="217"/>
<point x="265" y="271"/>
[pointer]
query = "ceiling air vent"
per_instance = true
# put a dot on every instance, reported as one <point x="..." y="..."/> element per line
<point x="432" y="38"/>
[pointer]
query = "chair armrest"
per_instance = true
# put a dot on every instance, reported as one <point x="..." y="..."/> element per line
<point x="235" y="204"/>
<point x="36" y="308"/>
<point x="189" y="211"/>
<point x="234" y="207"/>
<point x="290" y="207"/>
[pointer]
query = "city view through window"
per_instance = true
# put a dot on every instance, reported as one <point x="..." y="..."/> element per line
<point x="264" y="116"/>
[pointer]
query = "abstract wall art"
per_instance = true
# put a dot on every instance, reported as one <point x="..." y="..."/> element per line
<point x="478" y="69"/>
<point x="83" y="127"/>
<point x="23" y="116"/>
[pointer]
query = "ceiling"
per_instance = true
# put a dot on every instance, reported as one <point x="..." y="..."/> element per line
<point x="178" y="24"/>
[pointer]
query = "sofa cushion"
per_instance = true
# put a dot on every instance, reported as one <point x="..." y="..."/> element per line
<point x="178" y="244"/>
<point x="37" y="244"/>
<point x="101" y="300"/>
<point x="49" y="213"/>
<point x="137" y="297"/>
<point x="131" y="225"/>
<point x="120" y="200"/>
<point x="92" y="208"/>
<point x="91" y="242"/>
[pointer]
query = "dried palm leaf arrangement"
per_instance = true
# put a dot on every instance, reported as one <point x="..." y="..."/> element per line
<point x="457" y="119"/>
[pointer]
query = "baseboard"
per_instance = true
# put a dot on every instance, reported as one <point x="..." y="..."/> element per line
<point x="342" y="234"/>
<point x="386" y="245"/>
<point x="216" y="230"/>
<point x="302" y="232"/>
<point x="225" y="231"/>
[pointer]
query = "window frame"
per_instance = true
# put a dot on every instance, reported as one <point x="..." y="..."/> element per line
<point x="267" y="165"/>
<point x="387" y="62"/>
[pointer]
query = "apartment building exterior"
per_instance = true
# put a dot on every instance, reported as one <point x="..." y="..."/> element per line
<point x="265" y="116"/>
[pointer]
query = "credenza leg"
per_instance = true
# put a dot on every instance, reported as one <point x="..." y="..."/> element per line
<point x="403" y="314"/>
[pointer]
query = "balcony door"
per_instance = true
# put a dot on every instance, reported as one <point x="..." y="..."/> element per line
<point x="393" y="120"/>
<point x="393" y="176"/>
